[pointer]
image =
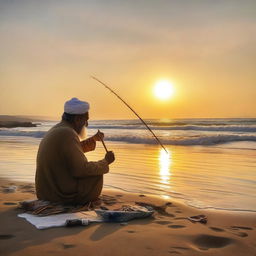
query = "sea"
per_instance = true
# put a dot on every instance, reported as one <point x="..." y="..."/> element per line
<point x="209" y="163"/>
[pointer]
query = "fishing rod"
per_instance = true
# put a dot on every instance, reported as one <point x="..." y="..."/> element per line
<point x="106" y="86"/>
<point x="103" y="143"/>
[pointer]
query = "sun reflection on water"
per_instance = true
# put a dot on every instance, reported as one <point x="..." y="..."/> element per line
<point x="165" y="163"/>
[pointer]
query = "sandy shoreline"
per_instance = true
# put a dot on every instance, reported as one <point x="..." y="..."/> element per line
<point x="226" y="233"/>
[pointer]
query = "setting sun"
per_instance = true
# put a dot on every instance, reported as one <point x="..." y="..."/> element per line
<point x="163" y="89"/>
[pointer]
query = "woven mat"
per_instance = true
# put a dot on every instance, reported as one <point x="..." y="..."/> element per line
<point x="45" y="208"/>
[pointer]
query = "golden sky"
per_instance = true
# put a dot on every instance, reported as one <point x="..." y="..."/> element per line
<point x="206" y="48"/>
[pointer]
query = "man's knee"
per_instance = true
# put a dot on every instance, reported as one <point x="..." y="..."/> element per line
<point x="90" y="188"/>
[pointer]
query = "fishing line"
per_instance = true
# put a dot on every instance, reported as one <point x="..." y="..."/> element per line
<point x="106" y="86"/>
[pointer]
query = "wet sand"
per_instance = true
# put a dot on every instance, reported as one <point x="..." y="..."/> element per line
<point x="198" y="176"/>
<point x="168" y="232"/>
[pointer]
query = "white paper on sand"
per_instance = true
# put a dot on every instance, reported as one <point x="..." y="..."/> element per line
<point x="59" y="220"/>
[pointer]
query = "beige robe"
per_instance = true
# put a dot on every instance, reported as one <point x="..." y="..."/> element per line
<point x="63" y="174"/>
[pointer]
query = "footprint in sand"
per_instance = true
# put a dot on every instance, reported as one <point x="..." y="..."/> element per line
<point x="205" y="242"/>
<point x="131" y="231"/>
<point x="241" y="227"/>
<point x="6" y="236"/>
<point x="9" y="203"/>
<point x="180" y="248"/>
<point x="163" y="222"/>
<point x="217" y="229"/>
<point x="238" y="228"/>
<point x="176" y="226"/>
<point x="176" y="249"/>
<point x="67" y="246"/>
<point x="242" y="234"/>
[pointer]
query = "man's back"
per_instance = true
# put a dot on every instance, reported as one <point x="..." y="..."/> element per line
<point x="54" y="179"/>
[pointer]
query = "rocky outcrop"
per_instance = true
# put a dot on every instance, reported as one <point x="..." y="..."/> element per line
<point x="13" y="124"/>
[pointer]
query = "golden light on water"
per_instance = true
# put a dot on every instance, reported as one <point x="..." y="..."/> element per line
<point x="165" y="162"/>
<point x="163" y="89"/>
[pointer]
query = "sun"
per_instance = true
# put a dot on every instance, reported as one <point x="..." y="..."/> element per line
<point x="163" y="89"/>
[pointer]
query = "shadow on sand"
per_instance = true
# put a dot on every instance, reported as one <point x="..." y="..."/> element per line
<point x="17" y="234"/>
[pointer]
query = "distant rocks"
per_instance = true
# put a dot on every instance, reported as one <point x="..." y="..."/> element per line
<point x="13" y="124"/>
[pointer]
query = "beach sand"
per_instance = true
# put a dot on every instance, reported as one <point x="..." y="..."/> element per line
<point x="168" y="232"/>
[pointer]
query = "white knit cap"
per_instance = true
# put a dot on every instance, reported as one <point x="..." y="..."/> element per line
<point x="76" y="106"/>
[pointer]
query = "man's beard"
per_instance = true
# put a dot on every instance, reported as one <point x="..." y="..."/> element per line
<point x="83" y="133"/>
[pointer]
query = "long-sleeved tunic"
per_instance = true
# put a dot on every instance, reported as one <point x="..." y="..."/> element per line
<point x="63" y="173"/>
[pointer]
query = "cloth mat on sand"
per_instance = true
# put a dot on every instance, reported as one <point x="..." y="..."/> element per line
<point x="45" y="208"/>
<point x="45" y="215"/>
<point x="59" y="220"/>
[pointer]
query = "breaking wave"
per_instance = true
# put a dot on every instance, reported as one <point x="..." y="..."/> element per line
<point x="34" y="134"/>
<point x="177" y="140"/>
<point x="182" y="128"/>
<point x="187" y="141"/>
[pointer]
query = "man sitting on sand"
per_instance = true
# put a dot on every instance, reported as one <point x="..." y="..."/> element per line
<point x="63" y="174"/>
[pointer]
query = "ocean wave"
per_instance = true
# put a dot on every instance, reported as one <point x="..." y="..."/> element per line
<point x="34" y="134"/>
<point x="179" y="122"/>
<point x="177" y="140"/>
<point x="215" y="128"/>
<point x="185" y="141"/>
<point x="180" y="128"/>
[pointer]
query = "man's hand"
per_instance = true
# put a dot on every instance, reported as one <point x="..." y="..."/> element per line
<point x="98" y="136"/>
<point x="110" y="157"/>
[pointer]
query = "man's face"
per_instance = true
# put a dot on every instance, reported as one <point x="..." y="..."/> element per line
<point x="81" y="121"/>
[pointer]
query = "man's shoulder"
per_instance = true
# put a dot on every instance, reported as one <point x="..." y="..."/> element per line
<point x="62" y="129"/>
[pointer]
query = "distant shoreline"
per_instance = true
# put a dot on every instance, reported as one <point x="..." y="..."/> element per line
<point x="16" y="121"/>
<point x="14" y="124"/>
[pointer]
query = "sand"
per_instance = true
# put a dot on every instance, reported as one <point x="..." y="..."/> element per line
<point x="168" y="232"/>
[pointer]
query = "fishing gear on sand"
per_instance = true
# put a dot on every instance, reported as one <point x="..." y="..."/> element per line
<point x="106" y="86"/>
